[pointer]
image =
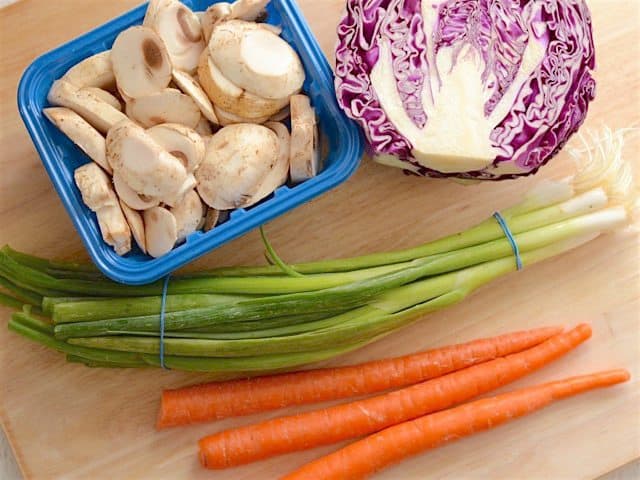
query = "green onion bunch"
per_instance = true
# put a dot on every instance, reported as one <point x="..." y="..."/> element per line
<point x="242" y="321"/>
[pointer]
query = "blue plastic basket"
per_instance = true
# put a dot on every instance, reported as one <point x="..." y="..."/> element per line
<point x="60" y="157"/>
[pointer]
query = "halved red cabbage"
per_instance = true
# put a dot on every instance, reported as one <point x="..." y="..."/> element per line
<point x="479" y="89"/>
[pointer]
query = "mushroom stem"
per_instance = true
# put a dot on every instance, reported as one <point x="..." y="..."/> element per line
<point x="99" y="114"/>
<point x="98" y="195"/>
<point x="81" y="133"/>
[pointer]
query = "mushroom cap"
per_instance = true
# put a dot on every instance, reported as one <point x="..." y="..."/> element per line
<point x="181" y="142"/>
<point x="95" y="187"/>
<point x="248" y="10"/>
<point x="136" y="224"/>
<point x="143" y="164"/>
<point x="105" y="96"/>
<point x="278" y="174"/>
<point x="81" y="133"/>
<point x="237" y="159"/>
<point x="304" y="155"/>
<point x="228" y="96"/>
<point x="94" y="71"/>
<point x="181" y="32"/>
<point x="140" y="62"/>
<point x="256" y="59"/>
<point x="275" y="29"/>
<point x="97" y="113"/>
<point x="167" y="106"/>
<point x="188" y="215"/>
<point x="161" y="231"/>
<point x="129" y="196"/>
<point x="217" y="12"/>
<point x="191" y="87"/>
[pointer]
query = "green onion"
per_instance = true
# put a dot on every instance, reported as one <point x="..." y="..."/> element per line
<point x="242" y="321"/>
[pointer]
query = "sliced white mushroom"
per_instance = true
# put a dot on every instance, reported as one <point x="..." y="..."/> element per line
<point x="129" y="196"/>
<point x="218" y="12"/>
<point x="210" y="219"/>
<point x="176" y="199"/>
<point x="115" y="229"/>
<point x="94" y="186"/>
<point x="227" y="118"/>
<point x="181" y="32"/>
<point x="282" y="115"/>
<point x="152" y="9"/>
<point x="140" y="62"/>
<point x="228" y="96"/>
<point x="237" y="159"/>
<point x="136" y="224"/>
<point x="94" y="71"/>
<point x="99" y="114"/>
<point x="168" y="106"/>
<point x="181" y="142"/>
<point x="81" y="133"/>
<point x="278" y="174"/>
<point x="275" y="29"/>
<point x="125" y="98"/>
<point x="143" y="164"/>
<point x="161" y="232"/>
<point x="249" y="10"/>
<point x="304" y="157"/>
<point x="191" y="87"/>
<point x="105" y="96"/>
<point x="98" y="195"/>
<point x="203" y="128"/>
<point x="188" y="215"/>
<point x="256" y="59"/>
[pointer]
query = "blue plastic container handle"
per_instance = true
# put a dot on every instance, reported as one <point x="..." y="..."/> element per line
<point x="344" y="144"/>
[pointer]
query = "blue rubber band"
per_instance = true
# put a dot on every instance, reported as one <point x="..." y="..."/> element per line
<point x="512" y="241"/>
<point x="163" y="304"/>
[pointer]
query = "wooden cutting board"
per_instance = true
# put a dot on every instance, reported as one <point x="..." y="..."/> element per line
<point x="74" y="422"/>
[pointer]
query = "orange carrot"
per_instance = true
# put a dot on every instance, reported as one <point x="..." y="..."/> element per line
<point x="214" y="401"/>
<point x="341" y="422"/>
<point x="392" y="445"/>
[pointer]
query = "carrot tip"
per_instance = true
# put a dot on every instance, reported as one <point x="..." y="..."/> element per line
<point x="585" y="328"/>
<point x="623" y="374"/>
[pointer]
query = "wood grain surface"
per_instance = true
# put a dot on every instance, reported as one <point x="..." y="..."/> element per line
<point x="74" y="422"/>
